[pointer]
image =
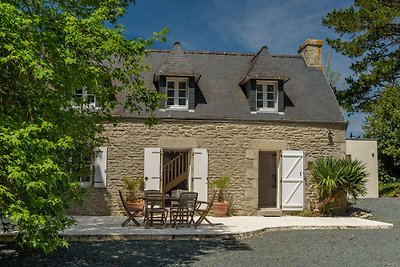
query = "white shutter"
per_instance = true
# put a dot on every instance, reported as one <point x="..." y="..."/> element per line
<point x="200" y="173"/>
<point x="292" y="180"/>
<point x="152" y="164"/>
<point x="100" y="167"/>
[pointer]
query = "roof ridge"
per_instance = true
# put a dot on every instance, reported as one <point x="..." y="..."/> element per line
<point x="202" y="52"/>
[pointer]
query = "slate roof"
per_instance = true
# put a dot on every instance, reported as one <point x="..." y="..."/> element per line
<point x="219" y="96"/>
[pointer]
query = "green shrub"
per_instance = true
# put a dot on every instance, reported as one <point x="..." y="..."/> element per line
<point x="389" y="189"/>
<point x="338" y="178"/>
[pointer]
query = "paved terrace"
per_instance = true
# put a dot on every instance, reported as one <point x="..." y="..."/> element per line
<point x="90" y="228"/>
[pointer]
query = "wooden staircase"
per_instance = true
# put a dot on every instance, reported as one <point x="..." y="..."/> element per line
<point x="175" y="171"/>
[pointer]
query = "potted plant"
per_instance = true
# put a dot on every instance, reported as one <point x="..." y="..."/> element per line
<point x="134" y="187"/>
<point x="220" y="207"/>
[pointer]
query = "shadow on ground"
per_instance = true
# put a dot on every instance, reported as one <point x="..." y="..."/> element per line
<point x="119" y="253"/>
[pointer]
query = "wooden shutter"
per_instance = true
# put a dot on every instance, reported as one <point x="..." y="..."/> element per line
<point x="253" y="95"/>
<point x="100" y="167"/>
<point x="281" y="97"/>
<point x="152" y="164"/>
<point x="162" y="85"/>
<point x="292" y="180"/>
<point x="200" y="173"/>
<point x="191" y="93"/>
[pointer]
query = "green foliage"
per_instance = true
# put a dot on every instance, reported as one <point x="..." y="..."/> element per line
<point x="335" y="176"/>
<point x="332" y="76"/>
<point x="384" y="124"/>
<point x="389" y="189"/>
<point x="221" y="184"/>
<point x="133" y="187"/>
<point x="369" y="34"/>
<point x="49" y="50"/>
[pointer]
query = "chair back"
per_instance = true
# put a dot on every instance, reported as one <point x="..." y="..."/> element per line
<point x="123" y="201"/>
<point x="211" y="202"/>
<point x="187" y="201"/>
<point x="154" y="199"/>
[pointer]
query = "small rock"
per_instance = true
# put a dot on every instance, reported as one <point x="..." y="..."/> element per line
<point x="365" y="216"/>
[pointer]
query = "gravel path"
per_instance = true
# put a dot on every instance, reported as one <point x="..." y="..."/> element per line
<point x="290" y="248"/>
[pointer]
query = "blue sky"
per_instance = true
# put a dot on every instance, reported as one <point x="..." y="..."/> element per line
<point x="240" y="26"/>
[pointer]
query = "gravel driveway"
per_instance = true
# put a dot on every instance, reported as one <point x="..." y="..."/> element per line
<point x="288" y="248"/>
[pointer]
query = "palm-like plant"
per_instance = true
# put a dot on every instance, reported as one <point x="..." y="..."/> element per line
<point x="354" y="178"/>
<point x="221" y="184"/>
<point x="339" y="177"/>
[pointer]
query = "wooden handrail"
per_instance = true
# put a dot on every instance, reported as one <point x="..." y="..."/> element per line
<point x="175" y="168"/>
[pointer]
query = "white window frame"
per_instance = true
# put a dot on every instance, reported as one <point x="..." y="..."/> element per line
<point x="265" y="93"/>
<point x="176" y="93"/>
<point x="84" y="95"/>
<point x="87" y="180"/>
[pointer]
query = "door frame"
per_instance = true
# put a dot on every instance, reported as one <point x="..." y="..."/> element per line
<point x="278" y="170"/>
<point x="190" y="165"/>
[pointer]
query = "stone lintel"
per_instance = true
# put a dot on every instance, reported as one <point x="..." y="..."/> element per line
<point x="177" y="142"/>
<point x="272" y="145"/>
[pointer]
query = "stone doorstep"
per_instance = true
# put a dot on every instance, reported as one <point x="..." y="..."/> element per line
<point x="269" y="212"/>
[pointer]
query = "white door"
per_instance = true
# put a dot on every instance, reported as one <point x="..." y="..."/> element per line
<point x="292" y="180"/>
<point x="152" y="164"/>
<point x="200" y="173"/>
<point x="100" y="167"/>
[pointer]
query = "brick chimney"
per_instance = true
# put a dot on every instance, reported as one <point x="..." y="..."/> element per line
<point x="311" y="51"/>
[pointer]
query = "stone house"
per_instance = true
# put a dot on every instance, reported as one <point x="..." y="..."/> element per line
<point x="260" y="118"/>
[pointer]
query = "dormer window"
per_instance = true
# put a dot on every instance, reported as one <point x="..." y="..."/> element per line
<point x="177" y="93"/>
<point x="267" y="96"/>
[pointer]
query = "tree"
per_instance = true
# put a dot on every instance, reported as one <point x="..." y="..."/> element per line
<point x="62" y="71"/>
<point x="369" y="33"/>
<point x="384" y="123"/>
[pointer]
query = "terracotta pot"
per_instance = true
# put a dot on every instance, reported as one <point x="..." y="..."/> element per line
<point x="136" y="205"/>
<point x="220" y="209"/>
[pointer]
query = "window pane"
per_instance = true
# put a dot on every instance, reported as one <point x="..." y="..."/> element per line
<point x="170" y="93"/>
<point x="260" y="95"/>
<point x="270" y="96"/>
<point x="270" y="104"/>
<point x="171" y="84"/>
<point x="170" y="101"/>
<point x="270" y="88"/>
<point x="182" y="101"/>
<point x="90" y="98"/>
<point x="182" y="93"/>
<point x="259" y="104"/>
<point x="182" y="85"/>
<point x="259" y="87"/>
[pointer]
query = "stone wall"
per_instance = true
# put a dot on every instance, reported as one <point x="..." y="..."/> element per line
<point x="232" y="149"/>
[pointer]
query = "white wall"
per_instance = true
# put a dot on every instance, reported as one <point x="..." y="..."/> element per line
<point x="366" y="151"/>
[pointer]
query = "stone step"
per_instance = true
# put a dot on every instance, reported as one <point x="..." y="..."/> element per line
<point x="270" y="212"/>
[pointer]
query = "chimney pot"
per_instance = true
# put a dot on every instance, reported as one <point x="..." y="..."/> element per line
<point x="311" y="51"/>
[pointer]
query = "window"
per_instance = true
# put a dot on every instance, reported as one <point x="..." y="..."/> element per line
<point x="86" y="170"/>
<point x="177" y="93"/>
<point x="85" y="99"/>
<point x="267" y="96"/>
<point x="92" y="170"/>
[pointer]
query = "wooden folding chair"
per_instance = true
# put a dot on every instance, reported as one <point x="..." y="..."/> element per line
<point x="155" y="211"/>
<point x="203" y="208"/>
<point x="183" y="214"/>
<point x="130" y="212"/>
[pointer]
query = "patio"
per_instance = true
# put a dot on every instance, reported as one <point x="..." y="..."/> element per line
<point x="92" y="228"/>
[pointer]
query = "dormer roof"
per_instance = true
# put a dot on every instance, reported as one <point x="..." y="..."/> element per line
<point x="176" y="64"/>
<point x="264" y="66"/>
